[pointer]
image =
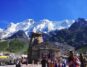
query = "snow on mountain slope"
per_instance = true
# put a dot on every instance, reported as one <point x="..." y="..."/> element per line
<point x="9" y="30"/>
<point x="47" y="25"/>
<point x="14" y="27"/>
<point x="26" y="25"/>
<point x="63" y="24"/>
<point x="44" y="26"/>
<point x="30" y="25"/>
<point x="1" y="30"/>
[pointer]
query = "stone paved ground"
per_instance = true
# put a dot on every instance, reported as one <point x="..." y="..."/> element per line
<point x="30" y="65"/>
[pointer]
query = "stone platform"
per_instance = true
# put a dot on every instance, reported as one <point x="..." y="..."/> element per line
<point x="29" y="65"/>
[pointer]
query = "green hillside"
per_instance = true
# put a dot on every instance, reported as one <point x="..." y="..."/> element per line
<point x="3" y="45"/>
<point x="15" y="46"/>
<point x="82" y="49"/>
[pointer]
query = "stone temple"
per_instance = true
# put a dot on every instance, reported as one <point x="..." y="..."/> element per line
<point x="39" y="49"/>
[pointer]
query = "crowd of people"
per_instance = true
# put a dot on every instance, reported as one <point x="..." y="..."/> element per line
<point x="72" y="60"/>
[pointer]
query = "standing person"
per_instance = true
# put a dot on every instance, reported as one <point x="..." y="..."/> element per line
<point x="61" y="62"/>
<point x="82" y="60"/>
<point x="18" y="63"/>
<point x="44" y="62"/>
<point x="64" y="62"/>
<point x="50" y="63"/>
<point x="73" y="61"/>
<point x="56" y="63"/>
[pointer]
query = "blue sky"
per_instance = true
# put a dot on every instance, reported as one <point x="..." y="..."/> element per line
<point x="19" y="10"/>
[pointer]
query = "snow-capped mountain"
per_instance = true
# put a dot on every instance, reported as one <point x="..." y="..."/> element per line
<point x="47" y="25"/>
<point x="1" y="30"/>
<point x="30" y="25"/>
<point x="44" y="26"/>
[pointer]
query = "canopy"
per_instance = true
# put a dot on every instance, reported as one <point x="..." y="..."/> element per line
<point x="3" y="57"/>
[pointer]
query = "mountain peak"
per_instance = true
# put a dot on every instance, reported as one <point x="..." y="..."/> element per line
<point x="30" y="25"/>
<point x="29" y="21"/>
<point x="79" y="24"/>
<point x="81" y="21"/>
<point x="45" y="20"/>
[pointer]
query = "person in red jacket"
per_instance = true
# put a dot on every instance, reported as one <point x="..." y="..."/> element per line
<point x="73" y="61"/>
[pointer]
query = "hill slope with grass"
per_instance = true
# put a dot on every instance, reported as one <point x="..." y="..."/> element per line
<point x="14" y="45"/>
